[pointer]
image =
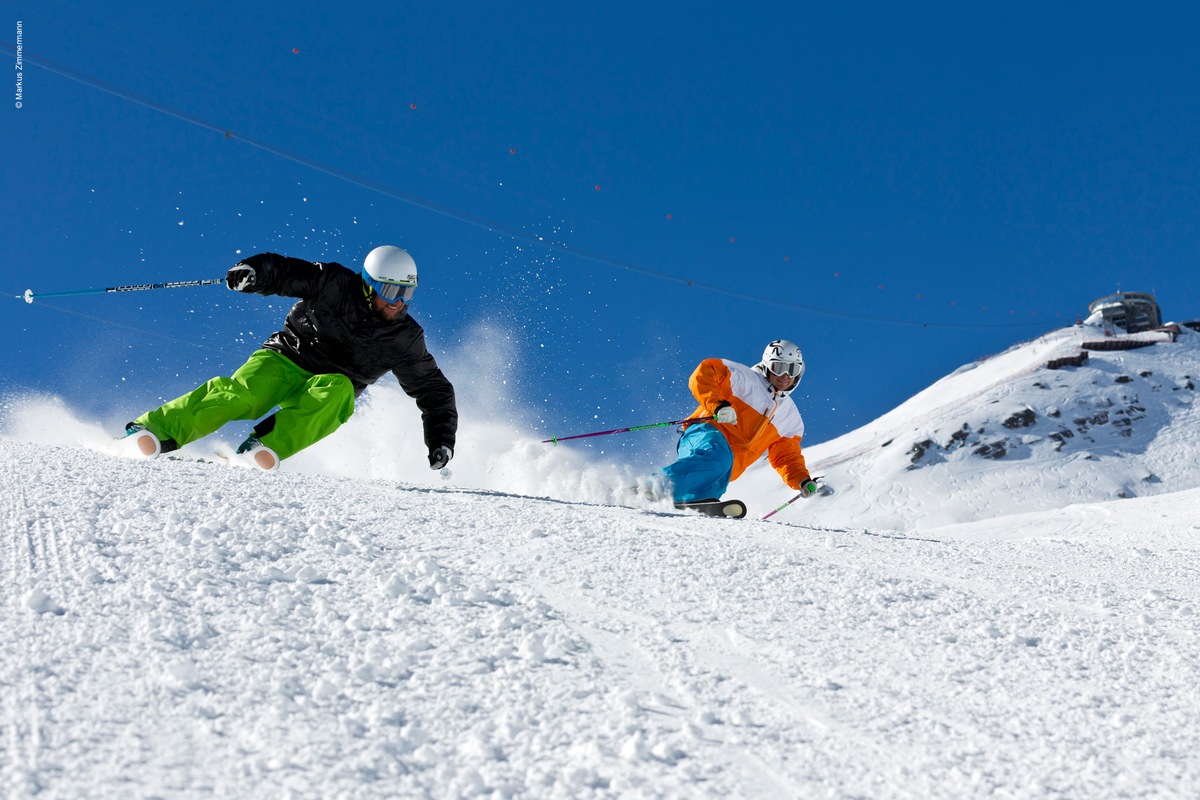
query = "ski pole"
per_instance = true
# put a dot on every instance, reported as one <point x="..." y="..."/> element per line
<point x="29" y="293"/>
<point x="770" y="514"/>
<point x="556" y="439"/>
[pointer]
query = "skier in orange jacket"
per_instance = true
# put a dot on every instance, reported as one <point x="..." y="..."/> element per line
<point x="754" y="414"/>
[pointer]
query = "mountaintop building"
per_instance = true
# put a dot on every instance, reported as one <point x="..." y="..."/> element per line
<point x="1130" y="311"/>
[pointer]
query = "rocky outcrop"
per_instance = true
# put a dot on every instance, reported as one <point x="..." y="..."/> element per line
<point x="984" y="442"/>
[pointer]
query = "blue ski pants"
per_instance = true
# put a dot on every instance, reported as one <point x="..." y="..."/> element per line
<point x="703" y="466"/>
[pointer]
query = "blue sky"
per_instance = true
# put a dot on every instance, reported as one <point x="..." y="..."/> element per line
<point x="617" y="191"/>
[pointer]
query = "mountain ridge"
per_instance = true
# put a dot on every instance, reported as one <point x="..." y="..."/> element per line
<point x="1122" y="423"/>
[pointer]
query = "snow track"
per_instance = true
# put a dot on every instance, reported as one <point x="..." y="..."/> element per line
<point x="176" y="628"/>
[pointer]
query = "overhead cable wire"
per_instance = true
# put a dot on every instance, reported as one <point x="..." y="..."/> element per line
<point x="474" y="220"/>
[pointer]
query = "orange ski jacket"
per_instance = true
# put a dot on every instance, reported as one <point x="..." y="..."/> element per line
<point x="767" y="421"/>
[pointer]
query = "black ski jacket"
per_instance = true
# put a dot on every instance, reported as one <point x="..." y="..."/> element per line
<point x="333" y="329"/>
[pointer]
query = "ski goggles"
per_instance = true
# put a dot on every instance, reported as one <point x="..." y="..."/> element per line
<point x="789" y="368"/>
<point x="391" y="292"/>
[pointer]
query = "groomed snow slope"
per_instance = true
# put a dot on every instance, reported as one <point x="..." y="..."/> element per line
<point x="181" y="629"/>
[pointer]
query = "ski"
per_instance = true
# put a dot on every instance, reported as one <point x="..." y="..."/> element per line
<point x="732" y="509"/>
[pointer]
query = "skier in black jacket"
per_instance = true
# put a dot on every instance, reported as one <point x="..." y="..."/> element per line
<point x="347" y="330"/>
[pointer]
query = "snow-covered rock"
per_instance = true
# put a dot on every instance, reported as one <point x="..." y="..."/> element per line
<point x="1008" y="434"/>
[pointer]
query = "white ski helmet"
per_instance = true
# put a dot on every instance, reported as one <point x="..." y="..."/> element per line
<point x="391" y="273"/>
<point x="782" y="357"/>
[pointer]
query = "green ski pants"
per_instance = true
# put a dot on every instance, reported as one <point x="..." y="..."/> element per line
<point x="310" y="406"/>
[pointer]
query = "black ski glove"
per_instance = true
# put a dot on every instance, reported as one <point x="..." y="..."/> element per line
<point x="240" y="278"/>
<point x="440" y="457"/>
